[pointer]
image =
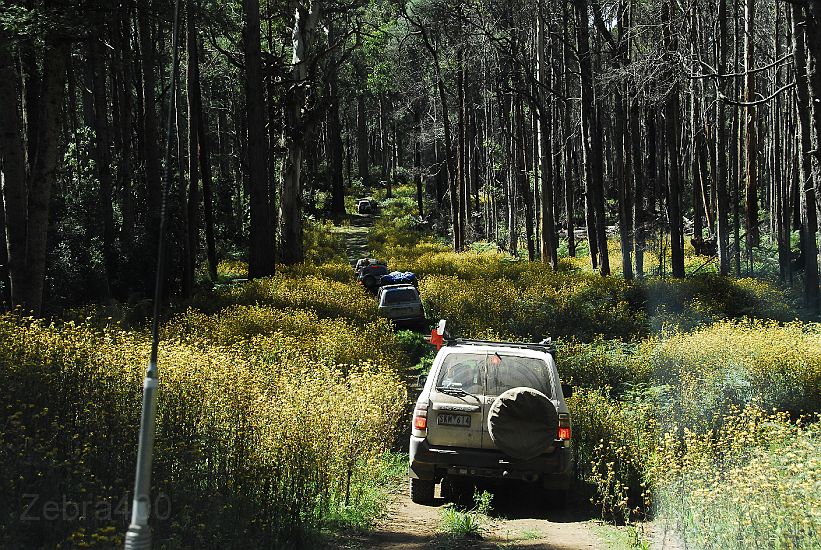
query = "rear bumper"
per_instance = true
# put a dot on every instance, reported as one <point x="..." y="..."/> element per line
<point x="552" y="471"/>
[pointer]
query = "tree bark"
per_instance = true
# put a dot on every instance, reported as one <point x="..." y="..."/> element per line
<point x="461" y="178"/>
<point x="199" y="158"/>
<point x="192" y="202"/>
<point x="751" y="141"/>
<point x="671" y="133"/>
<point x="334" y="129"/>
<point x="591" y="135"/>
<point x="417" y="160"/>
<point x="568" y="159"/>
<point x="45" y="169"/>
<point x="125" y="71"/>
<point x="102" y="149"/>
<point x="548" y="233"/>
<point x="295" y="131"/>
<point x="12" y="153"/>
<point x="807" y="92"/>
<point x="262" y="248"/>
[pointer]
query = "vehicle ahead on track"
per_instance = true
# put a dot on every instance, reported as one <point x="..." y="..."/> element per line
<point x="366" y="206"/>
<point x="401" y="304"/>
<point x="494" y="411"/>
<point x="369" y="272"/>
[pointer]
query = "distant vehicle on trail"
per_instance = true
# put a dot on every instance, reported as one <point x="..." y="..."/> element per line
<point x="369" y="272"/>
<point x="366" y="206"/>
<point x="401" y="304"/>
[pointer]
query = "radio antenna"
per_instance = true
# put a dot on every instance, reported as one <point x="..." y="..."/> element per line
<point x="138" y="536"/>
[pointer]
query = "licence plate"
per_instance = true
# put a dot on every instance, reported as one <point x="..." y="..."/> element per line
<point x="460" y="420"/>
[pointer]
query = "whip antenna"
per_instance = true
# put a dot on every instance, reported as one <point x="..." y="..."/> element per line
<point x="138" y="536"/>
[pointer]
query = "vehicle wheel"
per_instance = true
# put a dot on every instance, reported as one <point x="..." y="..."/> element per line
<point x="421" y="490"/>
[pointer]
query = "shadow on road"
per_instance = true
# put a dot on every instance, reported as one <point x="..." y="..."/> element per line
<point x="522" y="501"/>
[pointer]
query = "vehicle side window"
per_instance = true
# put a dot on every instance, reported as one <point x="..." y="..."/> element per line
<point x="506" y="371"/>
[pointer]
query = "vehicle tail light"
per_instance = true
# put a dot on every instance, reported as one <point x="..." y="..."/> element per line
<point x="420" y="417"/>
<point x="564" y="427"/>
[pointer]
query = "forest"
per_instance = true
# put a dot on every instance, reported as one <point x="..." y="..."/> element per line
<point x="635" y="179"/>
<point x="531" y="125"/>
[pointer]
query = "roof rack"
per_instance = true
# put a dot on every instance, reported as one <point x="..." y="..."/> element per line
<point x="544" y="345"/>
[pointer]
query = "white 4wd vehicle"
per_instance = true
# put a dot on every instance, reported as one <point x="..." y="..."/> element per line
<point x="491" y="410"/>
<point x="400" y="303"/>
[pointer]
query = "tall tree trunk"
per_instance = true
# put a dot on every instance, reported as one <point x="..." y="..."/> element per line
<point x="262" y="250"/>
<point x="782" y="223"/>
<point x="199" y="154"/>
<point x="623" y="157"/>
<point x="151" y="141"/>
<point x="125" y="71"/>
<point x="806" y="39"/>
<point x="363" y="162"/>
<point x="548" y="233"/>
<point x="12" y="154"/>
<point x="45" y="169"/>
<point x="623" y="176"/>
<point x="591" y="135"/>
<point x="417" y="159"/>
<point x="207" y="195"/>
<point x="568" y="157"/>
<point x="460" y="148"/>
<point x="638" y="183"/>
<point x="102" y="149"/>
<point x="334" y="128"/>
<point x="296" y="130"/>
<point x="671" y="134"/>
<point x="387" y="149"/>
<point x="751" y="141"/>
<point x="522" y="180"/>
<point x="194" y="117"/>
<point x="5" y="282"/>
<point x="722" y="147"/>
<point x="652" y="171"/>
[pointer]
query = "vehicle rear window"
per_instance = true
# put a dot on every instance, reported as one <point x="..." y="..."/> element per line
<point x="508" y="371"/>
<point x="399" y="296"/>
<point x="494" y="374"/>
<point x="463" y="371"/>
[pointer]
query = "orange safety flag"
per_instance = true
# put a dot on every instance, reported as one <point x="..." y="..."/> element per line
<point x="436" y="339"/>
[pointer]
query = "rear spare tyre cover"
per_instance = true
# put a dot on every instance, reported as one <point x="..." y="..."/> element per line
<point x="523" y="422"/>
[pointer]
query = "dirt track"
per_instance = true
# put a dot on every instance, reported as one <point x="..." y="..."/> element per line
<point x="518" y="522"/>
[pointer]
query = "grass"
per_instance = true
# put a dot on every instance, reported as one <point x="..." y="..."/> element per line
<point x="460" y="523"/>
<point x="367" y="503"/>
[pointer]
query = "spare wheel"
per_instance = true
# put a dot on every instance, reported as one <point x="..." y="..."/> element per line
<point x="523" y="422"/>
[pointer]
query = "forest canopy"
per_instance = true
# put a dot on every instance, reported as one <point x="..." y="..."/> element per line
<point x="531" y="125"/>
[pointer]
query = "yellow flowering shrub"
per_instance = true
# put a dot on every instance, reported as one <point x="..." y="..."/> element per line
<point x="752" y="484"/>
<point x="259" y="434"/>
<point x="296" y="289"/>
